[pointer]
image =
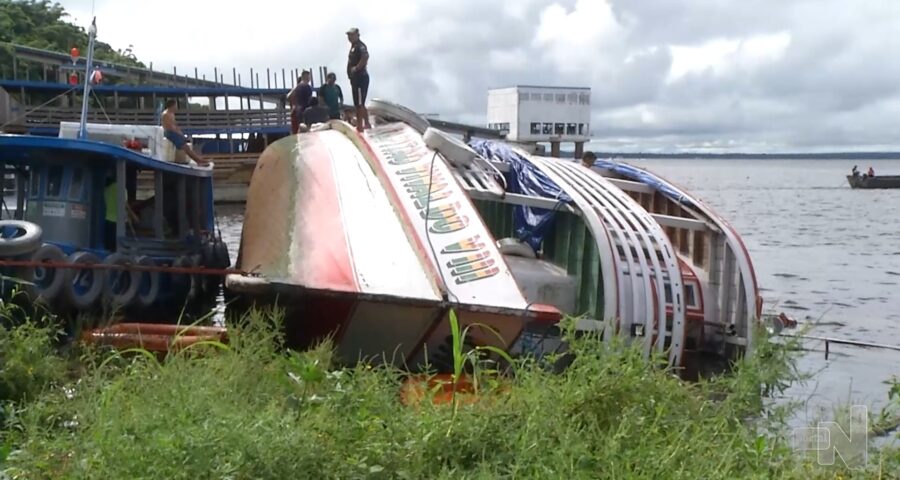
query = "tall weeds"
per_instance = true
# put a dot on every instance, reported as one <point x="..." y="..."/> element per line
<point x="253" y="410"/>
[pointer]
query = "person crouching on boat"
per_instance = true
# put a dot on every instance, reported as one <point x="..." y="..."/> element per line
<point x="871" y="172"/>
<point x="855" y="171"/>
<point x="588" y="159"/>
<point x="357" y="63"/>
<point x="299" y="98"/>
<point x="175" y="135"/>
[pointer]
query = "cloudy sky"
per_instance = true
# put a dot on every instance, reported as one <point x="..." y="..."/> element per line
<point x="686" y="75"/>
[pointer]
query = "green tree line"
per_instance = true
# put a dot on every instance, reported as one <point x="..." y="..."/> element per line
<point x="44" y="24"/>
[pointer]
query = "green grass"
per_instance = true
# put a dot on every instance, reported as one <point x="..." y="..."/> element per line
<point x="251" y="410"/>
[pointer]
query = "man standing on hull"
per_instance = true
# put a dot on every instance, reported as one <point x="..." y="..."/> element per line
<point x="357" y="62"/>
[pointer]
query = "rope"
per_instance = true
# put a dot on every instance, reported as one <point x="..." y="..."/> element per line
<point x="100" y="104"/>
<point x="129" y="268"/>
<point x="27" y="112"/>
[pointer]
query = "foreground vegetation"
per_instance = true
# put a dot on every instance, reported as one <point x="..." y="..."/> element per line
<point x="252" y="410"/>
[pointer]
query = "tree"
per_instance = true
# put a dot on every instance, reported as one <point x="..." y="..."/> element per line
<point x="43" y="24"/>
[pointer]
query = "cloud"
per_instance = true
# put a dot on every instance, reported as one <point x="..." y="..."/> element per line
<point x="762" y="75"/>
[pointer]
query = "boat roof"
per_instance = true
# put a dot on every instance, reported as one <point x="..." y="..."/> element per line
<point x="29" y="149"/>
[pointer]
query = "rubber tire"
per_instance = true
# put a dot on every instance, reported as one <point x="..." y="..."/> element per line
<point x="53" y="292"/>
<point x="393" y="111"/>
<point x="186" y="287"/>
<point x="88" y="299"/>
<point x="451" y="148"/>
<point x="27" y="240"/>
<point x="146" y="297"/>
<point x="124" y="298"/>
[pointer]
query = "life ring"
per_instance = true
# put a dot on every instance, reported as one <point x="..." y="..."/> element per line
<point x="18" y="237"/>
<point x="84" y="286"/>
<point x="453" y="149"/>
<point x="47" y="282"/>
<point x="511" y="246"/>
<point x="393" y="111"/>
<point x="120" y="286"/>
<point x="148" y="283"/>
<point x="185" y="285"/>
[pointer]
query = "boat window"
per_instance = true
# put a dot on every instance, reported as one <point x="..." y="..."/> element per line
<point x="572" y="98"/>
<point x="77" y="185"/>
<point x="35" y="188"/>
<point x="523" y="97"/>
<point x="535" y="97"/>
<point x="581" y="129"/>
<point x="689" y="298"/>
<point x="548" y="97"/>
<point x="54" y="181"/>
<point x="548" y="129"/>
<point x="570" y="129"/>
<point x="535" y="128"/>
<point x="560" y="129"/>
<point x="668" y="291"/>
<point x="560" y="98"/>
<point x="584" y="99"/>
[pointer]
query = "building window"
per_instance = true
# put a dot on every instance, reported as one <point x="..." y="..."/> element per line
<point x="548" y="97"/>
<point x="560" y="129"/>
<point x="535" y="128"/>
<point x="503" y="126"/>
<point x="548" y="129"/>
<point x="560" y="98"/>
<point x="571" y="129"/>
<point x="584" y="99"/>
<point x="572" y="98"/>
<point x="535" y="97"/>
<point x="523" y="97"/>
<point x="581" y="129"/>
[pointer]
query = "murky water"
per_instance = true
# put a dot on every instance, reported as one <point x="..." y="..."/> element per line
<point x="823" y="253"/>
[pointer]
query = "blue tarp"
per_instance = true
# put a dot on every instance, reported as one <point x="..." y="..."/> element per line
<point x="652" y="181"/>
<point x="530" y="224"/>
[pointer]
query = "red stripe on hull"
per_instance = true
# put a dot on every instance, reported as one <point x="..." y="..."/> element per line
<point x="325" y="261"/>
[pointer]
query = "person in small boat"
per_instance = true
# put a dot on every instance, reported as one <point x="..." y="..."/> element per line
<point x="175" y="135"/>
<point x="871" y="172"/>
<point x="299" y="98"/>
<point x="588" y="159"/>
<point x="357" y="70"/>
<point x="332" y="96"/>
<point x="855" y="171"/>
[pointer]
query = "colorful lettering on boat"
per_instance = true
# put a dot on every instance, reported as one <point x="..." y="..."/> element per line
<point x="469" y="254"/>
<point x="467" y="259"/>
<point x="480" y="275"/>
<point x="471" y="244"/>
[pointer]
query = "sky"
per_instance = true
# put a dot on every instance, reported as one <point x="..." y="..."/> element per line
<point x="667" y="76"/>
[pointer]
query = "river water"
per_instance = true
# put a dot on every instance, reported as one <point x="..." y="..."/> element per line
<point x="824" y="254"/>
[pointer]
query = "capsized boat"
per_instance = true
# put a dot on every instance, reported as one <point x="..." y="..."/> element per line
<point x="367" y="238"/>
<point x="492" y="231"/>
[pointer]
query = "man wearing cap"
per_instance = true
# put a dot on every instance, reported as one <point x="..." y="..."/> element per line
<point x="357" y="62"/>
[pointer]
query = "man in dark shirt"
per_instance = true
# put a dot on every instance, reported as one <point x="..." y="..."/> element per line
<point x="588" y="159"/>
<point x="332" y="96"/>
<point x="299" y="98"/>
<point x="316" y="113"/>
<point x="357" y="62"/>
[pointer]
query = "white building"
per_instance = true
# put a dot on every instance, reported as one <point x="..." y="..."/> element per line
<point x="542" y="114"/>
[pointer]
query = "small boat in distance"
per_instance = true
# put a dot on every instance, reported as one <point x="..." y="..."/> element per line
<point x="881" y="181"/>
